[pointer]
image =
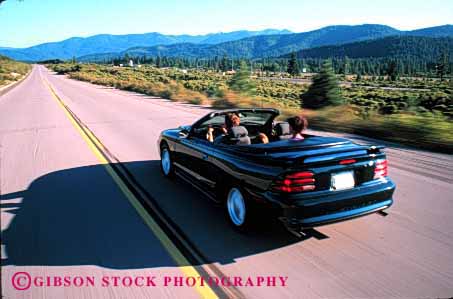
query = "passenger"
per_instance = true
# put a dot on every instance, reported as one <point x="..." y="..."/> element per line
<point x="297" y="125"/>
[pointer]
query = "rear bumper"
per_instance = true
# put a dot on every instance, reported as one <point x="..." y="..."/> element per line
<point x="294" y="222"/>
<point x="319" y="208"/>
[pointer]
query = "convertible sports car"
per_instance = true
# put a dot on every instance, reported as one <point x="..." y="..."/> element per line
<point x="304" y="183"/>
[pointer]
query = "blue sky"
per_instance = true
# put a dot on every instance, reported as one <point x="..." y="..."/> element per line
<point x="29" y="22"/>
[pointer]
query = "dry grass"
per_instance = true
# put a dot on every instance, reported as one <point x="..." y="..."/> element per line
<point x="172" y="90"/>
<point x="433" y="132"/>
<point x="11" y="70"/>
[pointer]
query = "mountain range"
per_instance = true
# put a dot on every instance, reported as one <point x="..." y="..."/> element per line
<point x="276" y="45"/>
<point x="107" y="43"/>
<point x="246" y="44"/>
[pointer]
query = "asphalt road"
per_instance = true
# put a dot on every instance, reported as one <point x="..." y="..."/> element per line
<point x="63" y="213"/>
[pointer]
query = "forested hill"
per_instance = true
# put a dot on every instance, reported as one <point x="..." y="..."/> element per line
<point x="107" y="43"/>
<point x="274" y="45"/>
<point x="418" y="47"/>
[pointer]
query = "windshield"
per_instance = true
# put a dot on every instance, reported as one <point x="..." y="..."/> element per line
<point x="247" y="117"/>
<point x="255" y="117"/>
<point x="216" y="120"/>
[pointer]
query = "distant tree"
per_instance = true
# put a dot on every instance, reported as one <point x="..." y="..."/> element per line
<point x="442" y="65"/>
<point x="302" y="65"/>
<point x="223" y="64"/>
<point x="241" y="82"/>
<point x="392" y="70"/>
<point x="165" y="62"/>
<point x="324" y="90"/>
<point x="158" y="62"/>
<point x="293" y="67"/>
<point x="342" y="65"/>
<point x="126" y="58"/>
<point x="359" y="77"/>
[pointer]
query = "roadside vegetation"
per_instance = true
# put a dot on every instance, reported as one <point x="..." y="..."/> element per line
<point x="11" y="70"/>
<point x="406" y="110"/>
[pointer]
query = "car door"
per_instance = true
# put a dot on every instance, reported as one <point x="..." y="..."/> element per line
<point x="194" y="161"/>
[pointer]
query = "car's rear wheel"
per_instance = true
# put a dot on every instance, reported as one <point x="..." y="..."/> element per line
<point x="239" y="210"/>
<point x="166" y="163"/>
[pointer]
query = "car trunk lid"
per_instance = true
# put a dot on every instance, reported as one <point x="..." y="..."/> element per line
<point x="336" y="164"/>
<point x="312" y="149"/>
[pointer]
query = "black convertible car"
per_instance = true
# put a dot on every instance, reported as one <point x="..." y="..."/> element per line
<point x="307" y="183"/>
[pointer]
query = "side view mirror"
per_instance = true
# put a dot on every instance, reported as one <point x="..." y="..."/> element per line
<point x="184" y="133"/>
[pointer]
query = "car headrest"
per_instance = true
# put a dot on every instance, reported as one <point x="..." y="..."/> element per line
<point x="282" y="129"/>
<point x="239" y="135"/>
<point x="244" y="141"/>
<point x="239" y="131"/>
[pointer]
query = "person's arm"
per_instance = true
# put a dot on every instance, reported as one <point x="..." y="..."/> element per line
<point x="210" y="135"/>
<point x="263" y="138"/>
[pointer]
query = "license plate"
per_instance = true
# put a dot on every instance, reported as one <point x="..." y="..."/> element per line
<point x="342" y="180"/>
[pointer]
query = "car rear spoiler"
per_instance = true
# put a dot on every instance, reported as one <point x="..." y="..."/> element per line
<point x="358" y="152"/>
<point x="374" y="149"/>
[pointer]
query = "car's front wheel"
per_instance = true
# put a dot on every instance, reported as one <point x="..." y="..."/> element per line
<point x="239" y="210"/>
<point x="166" y="163"/>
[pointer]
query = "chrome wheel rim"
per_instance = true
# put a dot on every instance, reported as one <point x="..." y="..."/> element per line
<point x="236" y="207"/>
<point x="166" y="162"/>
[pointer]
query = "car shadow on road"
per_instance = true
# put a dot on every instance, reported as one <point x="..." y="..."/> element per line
<point x="78" y="216"/>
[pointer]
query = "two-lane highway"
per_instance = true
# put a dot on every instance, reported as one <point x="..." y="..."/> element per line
<point x="64" y="214"/>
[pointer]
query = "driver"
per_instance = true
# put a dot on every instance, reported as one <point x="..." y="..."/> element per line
<point x="231" y="120"/>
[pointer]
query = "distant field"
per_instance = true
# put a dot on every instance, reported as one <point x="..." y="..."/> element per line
<point x="420" y="113"/>
<point x="11" y="70"/>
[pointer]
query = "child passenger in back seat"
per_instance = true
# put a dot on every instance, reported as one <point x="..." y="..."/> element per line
<point x="297" y="125"/>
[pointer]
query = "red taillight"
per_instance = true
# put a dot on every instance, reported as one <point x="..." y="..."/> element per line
<point x="380" y="169"/>
<point x="300" y="175"/>
<point x="347" y="161"/>
<point x="295" y="182"/>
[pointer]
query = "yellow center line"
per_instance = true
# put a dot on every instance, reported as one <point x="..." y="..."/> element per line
<point x="183" y="264"/>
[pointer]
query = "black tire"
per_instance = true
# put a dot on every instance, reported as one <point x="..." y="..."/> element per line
<point x="248" y="221"/>
<point x="166" y="162"/>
